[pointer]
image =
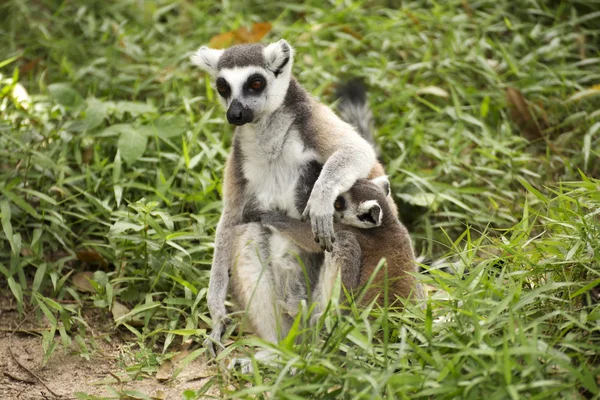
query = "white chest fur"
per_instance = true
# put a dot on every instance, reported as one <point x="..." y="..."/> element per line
<point x="272" y="166"/>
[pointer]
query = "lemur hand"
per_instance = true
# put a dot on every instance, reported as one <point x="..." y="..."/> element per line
<point x="320" y="211"/>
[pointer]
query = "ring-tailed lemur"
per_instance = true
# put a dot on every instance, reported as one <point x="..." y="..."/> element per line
<point x="290" y="154"/>
<point x="366" y="231"/>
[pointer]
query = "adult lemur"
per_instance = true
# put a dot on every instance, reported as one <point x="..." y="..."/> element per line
<point x="290" y="154"/>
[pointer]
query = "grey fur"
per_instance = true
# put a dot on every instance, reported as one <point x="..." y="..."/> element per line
<point x="354" y="109"/>
<point x="243" y="55"/>
<point x="306" y="183"/>
<point x="272" y="167"/>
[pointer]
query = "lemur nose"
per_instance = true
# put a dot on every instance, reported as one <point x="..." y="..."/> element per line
<point x="238" y="114"/>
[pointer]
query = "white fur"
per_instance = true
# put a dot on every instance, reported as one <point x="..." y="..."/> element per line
<point x="275" y="54"/>
<point x="269" y="100"/>
<point x="351" y="218"/>
<point x="207" y="59"/>
<point x="273" y="166"/>
<point x="251" y="270"/>
<point x="383" y="182"/>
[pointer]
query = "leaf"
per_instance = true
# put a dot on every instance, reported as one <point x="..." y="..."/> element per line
<point x="64" y="94"/>
<point x="115" y="130"/>
<point x="134" y="108"/>
<point x="119" y="310"/>
<point x="19" y="202"/>
<point x="166" y="126"/>
<point x="6" y="224"/>
<point x="164" y="372"/>
<point x="39" y="277"/>
<point x="15" y="289"/>
<point x="584" y="93"/>
<point x="122" y="226"/>
<point x="521" y="115"/>
<point x="116" y="168"/>
<point x="81" y="281"/>
<point x="91" y="256"/>
<point x="241" y="35"/>
<point x="138" y="309"/>
<point x="433" y="90"/>
<point x="94" y="113"/>
<point x="222" y="41"/>
<point x="132" y="145"/>
<point x="587" y="143"/>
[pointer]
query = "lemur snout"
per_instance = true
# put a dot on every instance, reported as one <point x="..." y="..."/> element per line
<point x="239" y="115"/>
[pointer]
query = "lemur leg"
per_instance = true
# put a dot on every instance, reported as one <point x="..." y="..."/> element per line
<point x="225" y="243"/>
<point x="268" y="284"/>
<point x="346" y="257"/>
<point x="253" y="282"/>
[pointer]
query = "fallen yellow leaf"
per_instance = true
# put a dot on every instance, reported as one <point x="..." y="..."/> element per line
<point x="241" y="35"/>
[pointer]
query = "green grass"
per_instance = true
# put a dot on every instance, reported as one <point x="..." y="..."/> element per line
<point x="111" y="159"/>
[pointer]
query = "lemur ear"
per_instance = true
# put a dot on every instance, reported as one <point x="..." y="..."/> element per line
<point x="279" y="57"/>
<point x="383" y="183"/>
<point x="207" y="59"/>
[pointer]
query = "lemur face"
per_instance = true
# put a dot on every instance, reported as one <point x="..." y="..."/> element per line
<point x="251" y="79"/>
<point x="361" y="206"/>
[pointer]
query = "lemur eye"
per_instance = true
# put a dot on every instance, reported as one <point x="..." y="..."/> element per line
<point x="339" y="204"/>
<point x="256" y="84"/>
<point x="222" y="87"/>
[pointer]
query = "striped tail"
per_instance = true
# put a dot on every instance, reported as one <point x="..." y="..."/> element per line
<point x="354" y="109"/>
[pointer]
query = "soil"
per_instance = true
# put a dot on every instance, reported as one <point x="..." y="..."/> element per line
<point x="104" y="375"/>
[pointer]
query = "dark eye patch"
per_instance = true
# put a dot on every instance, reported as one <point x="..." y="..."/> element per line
<point x="339" y="204"/>
<point x="255" y="84"/>
<point x="223" y="87"/>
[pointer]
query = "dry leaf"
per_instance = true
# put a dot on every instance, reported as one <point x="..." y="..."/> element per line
<point x="87" y="156"/>
<point x="159" y="395"/>
<point x="580" y="40"/>
<point x="91" y="257"/>
<point x="118" y="310"/>
<point x="241" y="35"/>
<point x="221" y="41"/>
<point x="521" y="115"/>
<point x="81" y="280"/>
<point x="413" y="17"/>
<point x="352" y="32"/>
<point x="259" y="30"/>
<point x="165" y="371"/>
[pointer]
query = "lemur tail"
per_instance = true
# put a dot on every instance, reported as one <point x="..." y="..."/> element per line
<point x="354" y="109"/>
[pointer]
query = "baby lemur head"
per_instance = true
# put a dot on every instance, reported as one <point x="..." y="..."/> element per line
<point x="364" y="205"/>
<point x="252" y="79"/>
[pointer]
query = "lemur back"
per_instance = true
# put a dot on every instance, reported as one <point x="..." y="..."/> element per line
<point x="380" y="235"/>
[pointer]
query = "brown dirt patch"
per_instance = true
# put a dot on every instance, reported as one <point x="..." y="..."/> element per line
<point x="67" y="372"/>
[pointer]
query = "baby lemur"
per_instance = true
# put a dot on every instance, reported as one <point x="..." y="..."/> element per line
<point x="367" y="230"/>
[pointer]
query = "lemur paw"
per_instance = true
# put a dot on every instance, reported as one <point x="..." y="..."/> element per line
<point x="213" y="342"/>
<point x="244" y="363"/>
<point x="321" y="219"/>
<point x="265" y="357"/>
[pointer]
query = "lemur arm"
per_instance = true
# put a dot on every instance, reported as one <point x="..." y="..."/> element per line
<point x="295" y="230"/>
<point x="348" y="157"/>
<point x="346" y="253"/>
<point x="223" y="255"/>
